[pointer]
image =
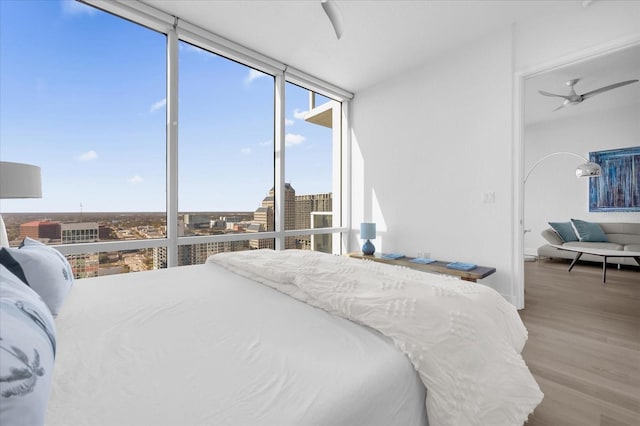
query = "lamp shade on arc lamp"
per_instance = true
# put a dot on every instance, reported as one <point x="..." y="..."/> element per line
<point x="588" y="169"/>
<point x="18" y="180"/>
<point x="368" y="232"/>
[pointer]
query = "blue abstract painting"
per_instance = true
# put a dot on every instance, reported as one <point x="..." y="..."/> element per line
<point x="618" y="189"/>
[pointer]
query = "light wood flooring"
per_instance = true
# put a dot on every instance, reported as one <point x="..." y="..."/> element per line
<point x="584" y="343"/>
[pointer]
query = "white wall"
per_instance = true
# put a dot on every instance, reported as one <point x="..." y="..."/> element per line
<point x="552" y="192"/>
<point x="553" y="36"/>
<point x="427" y="144"/>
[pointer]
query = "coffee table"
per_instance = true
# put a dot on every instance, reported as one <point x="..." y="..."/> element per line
<point x="604" y="253"/>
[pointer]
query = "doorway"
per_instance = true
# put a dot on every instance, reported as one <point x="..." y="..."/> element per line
<point x="539" y="131"/>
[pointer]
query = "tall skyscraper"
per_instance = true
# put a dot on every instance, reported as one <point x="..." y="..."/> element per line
<point x="305" y="206"/>
<point x="298" y="210"/>
<point x="264" y="218"/>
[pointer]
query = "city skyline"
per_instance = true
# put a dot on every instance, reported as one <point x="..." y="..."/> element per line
<point x="84" y="98"/>
<point x="14" y="220"/>
<point x="301" y="212"/>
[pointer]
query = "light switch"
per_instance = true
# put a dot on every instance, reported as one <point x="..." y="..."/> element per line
<point x="489" y="197"/>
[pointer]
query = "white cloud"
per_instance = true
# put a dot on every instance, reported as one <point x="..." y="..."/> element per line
<point x="288" y="122"/>
<point x="266" y="143"/>
<point x="246" y="151"/>
<point x="194" y="49"/>
<point x="291" y="139"/>
<point x="136" y="179"/>
<point x="87" y="156"/>
<point x="299" y="114"/>
<point x="158" y="105"/>
<point x="74" y="8"/>
<point x="253" y="75"/>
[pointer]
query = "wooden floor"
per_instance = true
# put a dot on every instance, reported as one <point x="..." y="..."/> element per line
<point x="584" y="343"/>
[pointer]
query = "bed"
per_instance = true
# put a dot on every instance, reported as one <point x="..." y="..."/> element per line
<point x="288" y="338"/>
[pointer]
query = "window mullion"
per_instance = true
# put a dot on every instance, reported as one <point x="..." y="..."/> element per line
<point x="279" y="147"/>
<point x="172" y="148"/>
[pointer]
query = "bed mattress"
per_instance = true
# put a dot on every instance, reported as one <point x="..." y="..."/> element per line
<point x="201" y="345"/>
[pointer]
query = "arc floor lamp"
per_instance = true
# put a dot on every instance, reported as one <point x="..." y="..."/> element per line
<point x="586" y="169"/>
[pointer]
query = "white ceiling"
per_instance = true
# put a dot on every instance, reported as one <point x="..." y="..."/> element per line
<point x="594" y="73"/>
<point x="381" y="37"/>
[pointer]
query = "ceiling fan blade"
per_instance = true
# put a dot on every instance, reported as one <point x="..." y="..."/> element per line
<point x="542" y="92"/>
<point x="561" y="106"/>
<point x="334" y="15"/>
<point x="606" y="88"/>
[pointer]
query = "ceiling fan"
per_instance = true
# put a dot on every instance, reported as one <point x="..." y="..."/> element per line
<point x="332" y="11"/>
<point x="574" y="99"/>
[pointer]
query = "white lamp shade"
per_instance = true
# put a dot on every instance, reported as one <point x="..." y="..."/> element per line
<point x="588" y="169"/>
<point x="368" y="231"/>
<point x="18" y="180"/>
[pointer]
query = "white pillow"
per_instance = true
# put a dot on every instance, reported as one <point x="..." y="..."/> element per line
<point x="27" y="353"/>
<point x="4" y="239"/>
<point x="42" y="268"/>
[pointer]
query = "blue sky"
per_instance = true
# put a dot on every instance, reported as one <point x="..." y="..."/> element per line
<point x="83" y="93"/>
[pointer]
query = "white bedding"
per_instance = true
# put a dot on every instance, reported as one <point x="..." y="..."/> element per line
<point x="464" y="339"/>
<point x="202" y="345"/>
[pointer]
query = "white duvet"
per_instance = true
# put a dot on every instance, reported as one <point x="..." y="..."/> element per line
<point x="201" y="345"/>
<point x="463" y="338"/>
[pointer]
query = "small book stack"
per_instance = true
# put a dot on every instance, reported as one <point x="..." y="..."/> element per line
<point x="422" y="260"/>
<point x="461" y="266"/>
<point x="392" y="256"/>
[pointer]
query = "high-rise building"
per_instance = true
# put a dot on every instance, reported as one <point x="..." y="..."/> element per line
<point x="83" y="265"/>
<point x="298" y="210"/>
<point x="195" y="254"/>
<point x="306" y="204"/>
<point x="306" y="207"/>
<point x="264" y="217"/>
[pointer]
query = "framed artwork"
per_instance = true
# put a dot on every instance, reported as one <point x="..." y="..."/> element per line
<point x="618" y="189"/>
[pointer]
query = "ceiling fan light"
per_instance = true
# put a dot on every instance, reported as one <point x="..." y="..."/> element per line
<point x="588" y="170"/>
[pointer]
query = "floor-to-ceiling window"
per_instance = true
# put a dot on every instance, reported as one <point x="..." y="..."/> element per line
<point x="225" y="153"/>
<point x="309" y="167"/>
<point x="82" y="96"/>
<point x="89" y="97"/>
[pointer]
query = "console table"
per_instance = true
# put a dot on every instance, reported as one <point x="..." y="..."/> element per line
<point x="437" y="267"/>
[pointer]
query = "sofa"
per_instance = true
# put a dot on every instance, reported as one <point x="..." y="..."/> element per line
<point x="620" y="236"/>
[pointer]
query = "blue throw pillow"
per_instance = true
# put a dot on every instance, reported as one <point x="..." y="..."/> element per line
<point x="564" y="230"/>
<point x="27" y="352"/>
<point x="589" y="232"/>
<point x="42" y="268"/>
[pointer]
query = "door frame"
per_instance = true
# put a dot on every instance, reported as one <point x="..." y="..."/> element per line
<point x="517" y="295"/>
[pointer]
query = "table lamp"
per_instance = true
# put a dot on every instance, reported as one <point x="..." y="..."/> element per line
<point x="368" y="232"/>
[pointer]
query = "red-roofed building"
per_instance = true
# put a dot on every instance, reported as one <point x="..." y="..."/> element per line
<point x="41" y="229"/>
